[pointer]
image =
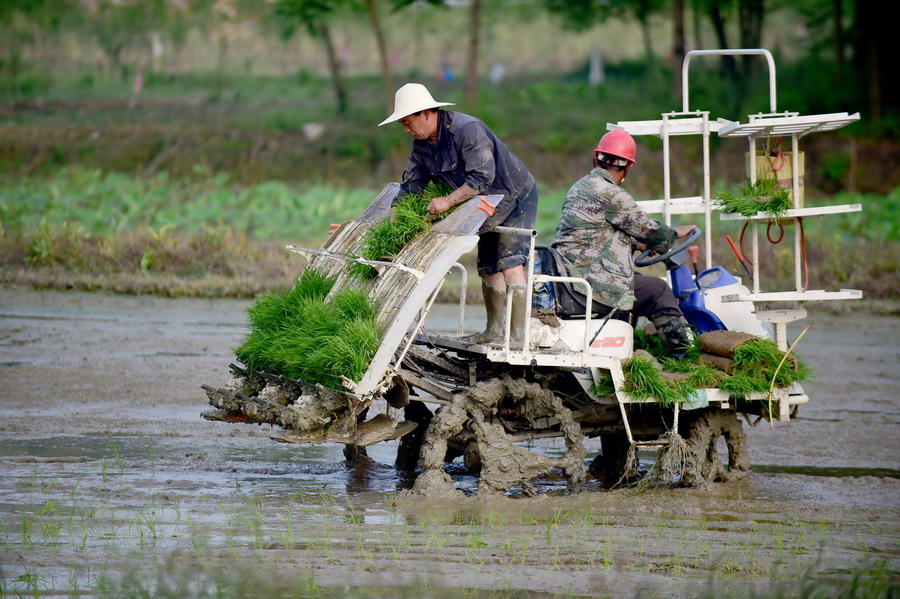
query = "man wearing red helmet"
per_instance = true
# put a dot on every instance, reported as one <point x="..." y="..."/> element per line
<point x="597" y="230"/>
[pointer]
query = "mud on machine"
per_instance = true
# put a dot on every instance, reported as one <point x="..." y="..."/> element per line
<point x="444" y="397"/>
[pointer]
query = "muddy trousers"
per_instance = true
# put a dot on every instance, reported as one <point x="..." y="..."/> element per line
<point x="656" y="301"/>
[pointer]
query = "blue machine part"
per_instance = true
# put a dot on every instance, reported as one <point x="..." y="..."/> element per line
<point x="543" y="297"/>
<point x="691" y="299"/>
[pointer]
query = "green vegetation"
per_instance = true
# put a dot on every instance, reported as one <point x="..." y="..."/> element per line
<point x="643" y="381"/>
<point x="747" y="199"/>
<point x="106" y="203"/>
<point x="755" y="366"/>
<point x="303" y="335"/>
<point x="207" y="235"/>
<point x="759" y="359"/>
<point x="409" y="218"/>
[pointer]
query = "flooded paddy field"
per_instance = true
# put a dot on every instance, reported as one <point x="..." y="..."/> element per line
<point x="113" y="485"/>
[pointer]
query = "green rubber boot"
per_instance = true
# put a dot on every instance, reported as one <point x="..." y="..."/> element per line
<point x="494" y="304"/>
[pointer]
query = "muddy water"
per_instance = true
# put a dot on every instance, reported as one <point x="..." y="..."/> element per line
<point x="111" y="478"/>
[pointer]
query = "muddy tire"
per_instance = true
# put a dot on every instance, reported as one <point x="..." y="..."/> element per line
<point x="352" y="453"/>
<point x="504" y="464"/>
<point x="711" y="435"/>
<point x="609" y="464"/>
<point x="411" y="444"/>
<point x="472" y="458"/>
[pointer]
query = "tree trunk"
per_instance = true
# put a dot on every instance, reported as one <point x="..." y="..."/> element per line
<point x="838" y="43"/>
<point x="648" y="39"/>
<point x="678" y="44"/>
<point x="334" y="66"/>
<point x="382" y="55"/>
<point x="118" y="68"/>
<point x="865" y="55"/>
<point x="698" y="37"/>
<point x="752" y="14"/>
<point x="642" y="14"/>
<point x="472" y="59"/>
<point x="718" y="20"/>
<point x="220" y="64"/>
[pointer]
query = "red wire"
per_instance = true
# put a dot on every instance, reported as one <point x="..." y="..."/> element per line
<point x="778" y="156"/>
<point x="741" y="243"/>
<point x="803" y="253"/>
<point x="769" y="232"/>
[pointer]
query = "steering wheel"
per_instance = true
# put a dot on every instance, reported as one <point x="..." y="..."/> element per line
<point x="644" y="260"/>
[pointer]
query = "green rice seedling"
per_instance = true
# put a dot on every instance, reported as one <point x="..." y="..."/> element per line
<point x="115" y="449"/>
<point x="354" y="304"/>
<point x="747" y="199"/>
<point x="759" y="359"/>
<point x="643" y="381"/>
<point x="299" y="335"/>
<point x="347" y="353"/>
<point x="418" y="202"/>
<point x="272" y="309"/>
<point x="290" y="347"/>
<point x="252" y="352"/>
<point x="409" y="218"/>
<point x="649" y="343"/>
<point x="741" y="385"/>
<point x="692" y="352"/>
<point x="670" y="364"/>
<point x="604" y="387"/>
<point x="704" y="376"/>
<point x="27" y="526"/>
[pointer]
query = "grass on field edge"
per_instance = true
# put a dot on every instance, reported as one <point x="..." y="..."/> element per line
<point x="217" y="261"/>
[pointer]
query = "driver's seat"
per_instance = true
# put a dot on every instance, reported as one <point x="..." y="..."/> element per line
<point x="569" y="302"/>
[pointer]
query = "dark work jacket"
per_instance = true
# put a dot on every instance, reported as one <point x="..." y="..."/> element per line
<point x="467" y="151"/>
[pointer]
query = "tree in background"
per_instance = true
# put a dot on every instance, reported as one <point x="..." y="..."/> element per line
<point x="472" y="55"/>
<point x="678" y="46"/>
<point x="372" y="9"/>
<point x="873" y="50"/>
<point x="119" y="25"/>
<point x="474" y="42"/>
<point x="315" y="16"/>
<point x="22" y="22"/>
<point x="750" y="17"/>
<point x="580" y="15"/>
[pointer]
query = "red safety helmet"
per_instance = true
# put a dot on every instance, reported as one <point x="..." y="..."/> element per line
<point x="619" y="143"/>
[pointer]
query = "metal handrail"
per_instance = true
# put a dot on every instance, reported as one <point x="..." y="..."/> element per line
<point x="726" y="52"/>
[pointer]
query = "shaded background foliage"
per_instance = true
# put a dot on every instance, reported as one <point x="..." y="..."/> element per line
<point x="196" y="116"/>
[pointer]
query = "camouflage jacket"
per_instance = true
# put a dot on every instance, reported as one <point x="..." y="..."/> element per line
<point x="467" y="151"/>
<point x="599" y="221"/>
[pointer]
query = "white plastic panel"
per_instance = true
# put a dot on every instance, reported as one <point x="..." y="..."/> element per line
<point x="781" y="126"/>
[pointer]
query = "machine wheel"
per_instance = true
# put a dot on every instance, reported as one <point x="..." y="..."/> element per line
<point x="503" y="464"/>
<point x="712" y="435"/>
<point x="472" y="458"/>
<point x="609" y="464"/>
<point x="411" y="444"/>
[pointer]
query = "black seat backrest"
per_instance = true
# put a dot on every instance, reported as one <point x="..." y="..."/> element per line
<point x="570" y="300"/>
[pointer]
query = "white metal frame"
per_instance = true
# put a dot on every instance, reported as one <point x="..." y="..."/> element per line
<point x="760" y="126"/>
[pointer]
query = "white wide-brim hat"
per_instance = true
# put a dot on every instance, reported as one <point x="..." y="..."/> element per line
<point x="409" y="99"/>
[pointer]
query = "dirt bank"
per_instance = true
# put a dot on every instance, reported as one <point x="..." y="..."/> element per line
<point x="113" y="481"/>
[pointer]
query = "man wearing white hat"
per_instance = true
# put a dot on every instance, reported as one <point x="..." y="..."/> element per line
<point x="461" y="150"/>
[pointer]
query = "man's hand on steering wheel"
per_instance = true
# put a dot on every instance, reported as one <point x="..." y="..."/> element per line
<point x="683" y="230"/>
<point x="686" y="235"/>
